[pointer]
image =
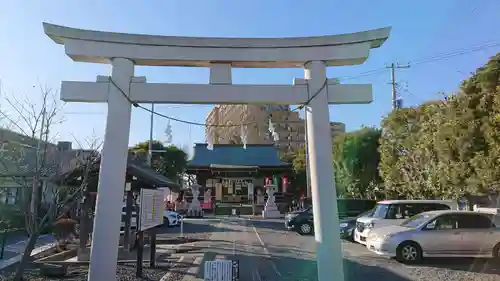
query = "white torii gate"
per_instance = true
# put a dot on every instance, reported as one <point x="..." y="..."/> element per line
<point x="124" y="51"/>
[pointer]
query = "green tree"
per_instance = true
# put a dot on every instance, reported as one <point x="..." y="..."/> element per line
<point x="11" y="218"/>
<point x="447" y="148"/>
<point x="170" y="161"/>
<point x="356" y="159"/>
<point x="299" y="177"/>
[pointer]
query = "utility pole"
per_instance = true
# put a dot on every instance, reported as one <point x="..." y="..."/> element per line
<point x="308" y="174"/>
<point x="393" y="67"/>
<point x="150" y="144"/>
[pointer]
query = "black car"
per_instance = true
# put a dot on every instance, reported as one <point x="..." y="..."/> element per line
<point x="302" y="221"/>
<point x="348" y="225"/>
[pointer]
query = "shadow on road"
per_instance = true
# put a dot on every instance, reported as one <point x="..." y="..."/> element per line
<point x="193" y="227"/>
<point x="272" y="225"/>
<point x="356" y="271"/>
<point x="296" y="269"/>
<point x="478" y="265"/>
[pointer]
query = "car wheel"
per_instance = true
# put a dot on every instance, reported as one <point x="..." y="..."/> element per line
<point x="166" y="222"/>
<point x="409" y="252"/>
<point x="496" y="252"/>
<point x="351" y="237"/>
<point x="305" y="229"/>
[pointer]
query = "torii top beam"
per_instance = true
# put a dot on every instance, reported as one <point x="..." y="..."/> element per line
<point x="99" y="47"/>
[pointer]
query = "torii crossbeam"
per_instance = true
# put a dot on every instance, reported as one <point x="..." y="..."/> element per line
<point x="124" y="51"/>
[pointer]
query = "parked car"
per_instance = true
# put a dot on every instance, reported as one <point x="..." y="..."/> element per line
<point x="348" y="207"/>
<point x="450" y="233"/>
<point x="348" y="225"/>
<point x="393" y="212"/>
<point x="302" y="221"/>
<point x="170" y="218"/>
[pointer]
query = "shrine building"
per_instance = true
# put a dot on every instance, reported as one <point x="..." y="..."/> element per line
<point x="226" y="172"/>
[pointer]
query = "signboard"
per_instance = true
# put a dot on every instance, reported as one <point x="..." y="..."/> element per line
<point x="151" y="208"/>
<point x="221" y="270"/>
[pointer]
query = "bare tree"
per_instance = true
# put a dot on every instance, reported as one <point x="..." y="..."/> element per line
<point x="35" y="165"/>
<point x="89" y="169"/>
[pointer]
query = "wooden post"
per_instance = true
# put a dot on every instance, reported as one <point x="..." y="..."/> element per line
<point x="4" y="240"/>
<point x="140" y="251"/>
<point x="152" y="246"/>
<point x="128" y="215"/>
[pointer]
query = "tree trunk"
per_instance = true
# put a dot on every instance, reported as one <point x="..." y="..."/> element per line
<point x="24" y="260"/>
<point x="85" y="221"/>
<point x="47" y="218"/>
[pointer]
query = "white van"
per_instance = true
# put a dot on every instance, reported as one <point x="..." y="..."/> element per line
<point x="393" y="212"/>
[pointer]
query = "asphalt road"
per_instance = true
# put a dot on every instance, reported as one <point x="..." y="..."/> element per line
<point x="267" y="252"/>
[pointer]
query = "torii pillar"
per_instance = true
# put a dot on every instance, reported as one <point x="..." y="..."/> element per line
<point x="124" y="51"/>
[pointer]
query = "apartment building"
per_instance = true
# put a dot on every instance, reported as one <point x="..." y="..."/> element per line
<point x="18" y="157"/>
<point x="224" y="125"/>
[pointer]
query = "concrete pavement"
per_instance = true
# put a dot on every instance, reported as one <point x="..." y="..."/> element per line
<point x="267" y="252"/>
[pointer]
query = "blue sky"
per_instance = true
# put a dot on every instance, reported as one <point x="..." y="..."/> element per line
<point x="421" y="29"/>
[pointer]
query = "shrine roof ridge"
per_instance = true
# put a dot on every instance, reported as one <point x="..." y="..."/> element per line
<point x="58" y="33"/>
<point x="260" y="155"/>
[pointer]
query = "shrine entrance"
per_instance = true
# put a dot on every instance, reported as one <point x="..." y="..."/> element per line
<point x="233" y="179"/>
<point x="122" y="90"/>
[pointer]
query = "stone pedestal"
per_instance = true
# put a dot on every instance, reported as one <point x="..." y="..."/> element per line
<point x="270" y="209"/>
<point x="195" y="209"/>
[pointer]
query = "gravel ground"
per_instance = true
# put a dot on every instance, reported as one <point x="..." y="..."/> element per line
<point x="124" y="273"/>
<point x="192" y="229"/>
<point x="456" y="270"/>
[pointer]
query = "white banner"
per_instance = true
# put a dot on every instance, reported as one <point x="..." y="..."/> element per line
<point x="151" y="209"/>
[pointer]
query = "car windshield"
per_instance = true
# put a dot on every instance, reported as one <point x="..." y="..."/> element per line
<point x="380" y="211"/>
<point x="416" y="220"/>
<point x="367" y="213"/>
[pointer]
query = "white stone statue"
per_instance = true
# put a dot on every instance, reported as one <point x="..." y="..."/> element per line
<point x="270" y="209"/>
<point x="195" y="209"/>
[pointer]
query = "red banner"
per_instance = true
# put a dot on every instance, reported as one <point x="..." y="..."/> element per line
<point x="268" y="181"/>
<point x="284" y="182"/>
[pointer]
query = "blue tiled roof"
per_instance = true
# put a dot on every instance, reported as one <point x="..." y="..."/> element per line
<point x="236" y="155"/>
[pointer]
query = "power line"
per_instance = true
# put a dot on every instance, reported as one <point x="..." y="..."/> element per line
<point x="203" y="124"/>
<point x="83" y="113"/>
<point x="455" y="53"/>
<point x="438" y="57"/>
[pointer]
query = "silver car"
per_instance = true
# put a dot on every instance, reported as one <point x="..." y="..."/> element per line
<point x="449" y="233"/>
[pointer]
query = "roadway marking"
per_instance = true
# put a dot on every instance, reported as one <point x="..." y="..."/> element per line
<point x="273" y="265"/>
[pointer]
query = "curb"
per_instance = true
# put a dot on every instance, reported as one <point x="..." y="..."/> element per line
<point x="9" y="262"/>
<point x="190" y="272"/>
<point x="169" y="273"/>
